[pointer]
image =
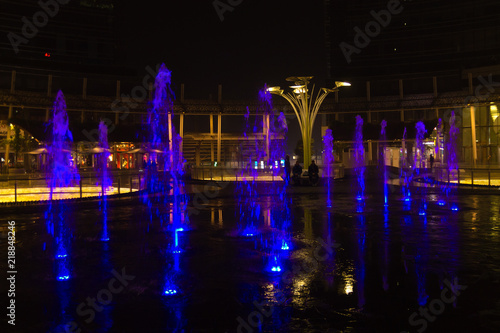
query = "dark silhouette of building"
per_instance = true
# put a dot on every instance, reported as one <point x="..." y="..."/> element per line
<point x="416" y="39"/>
<point x="78" y="35"/>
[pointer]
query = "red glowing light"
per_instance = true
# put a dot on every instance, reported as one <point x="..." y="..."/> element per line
<point x="47" y="55"/>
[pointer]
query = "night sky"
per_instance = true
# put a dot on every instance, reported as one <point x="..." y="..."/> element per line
<point x="258" y="42"/>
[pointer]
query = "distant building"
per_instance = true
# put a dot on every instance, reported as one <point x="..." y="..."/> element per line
<point x="80" y="36"/>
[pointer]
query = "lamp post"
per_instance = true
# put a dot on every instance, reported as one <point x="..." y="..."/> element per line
<point x="306" y="106"/>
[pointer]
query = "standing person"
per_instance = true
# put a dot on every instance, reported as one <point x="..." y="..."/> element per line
<point x="313" y="173"/>
<point x="287" y="169"/>
<point x="431" y="160"/>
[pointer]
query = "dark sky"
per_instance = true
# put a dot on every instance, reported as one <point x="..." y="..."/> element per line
<point x="258" y="42"/>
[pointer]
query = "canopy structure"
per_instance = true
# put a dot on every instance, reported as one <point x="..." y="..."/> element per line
<point x="99" y="150"/>
<point x="145" y="151"/>
<point x="39" y="151"/>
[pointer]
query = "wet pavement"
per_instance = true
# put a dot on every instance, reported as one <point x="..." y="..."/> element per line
<point x="354" y="267"/>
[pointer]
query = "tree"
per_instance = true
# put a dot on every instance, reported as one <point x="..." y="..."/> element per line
<point x="17" y="142"/>
<point x="21" y="143"/>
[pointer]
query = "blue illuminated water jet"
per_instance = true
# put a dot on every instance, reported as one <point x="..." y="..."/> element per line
<point x="359" y="153"/>
<point x="62" y="174"/>
<point x="451" y="159"/>
<point x="419" y="160"/>
<point x="105" y="178"/>
<point x="383" y="139"/>
<point x="405" y="170"/>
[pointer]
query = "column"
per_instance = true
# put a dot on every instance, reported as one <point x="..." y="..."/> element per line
<point x="471" y="87"/>
<point x="150" y="91"/>
<point x="197" y="155"/>
<point x="370" y="152"/>
<point x="181" y="133"/>
<point x="170" y="138"/>
<point x="473" y="134"/>
<point x="435" y="86"/>
<point x="84" y="90"/>
<point x="13" y="82"/>
<point x="118" y="88"/>
<point x="437" y="151"/>
<point x="219" y="94"/>
<point x="49" y="86"/>
<point x="7" y="145"/>
<point x="219" y="138"/>
<point x="265" y="132"/>
<point x="212" y="159"/>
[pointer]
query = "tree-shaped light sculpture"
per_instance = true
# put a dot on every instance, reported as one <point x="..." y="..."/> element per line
<point x="306" y="106"/>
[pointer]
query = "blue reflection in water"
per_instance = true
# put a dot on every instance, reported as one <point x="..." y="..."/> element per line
<point x="65" y="314"/>
<point x="170" y="286"/>
<point x="174" y="300"/>
<point x="385" y="255"/>
<point x="361" y="264"/>
<point x="61" y="243"/>
<point x="104" y="318"/>
<point x="416" y="255"/>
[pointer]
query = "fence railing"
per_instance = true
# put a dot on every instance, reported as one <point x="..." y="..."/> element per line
<point x="239" y="174"/>
<point x="468" y="176"/>
<point x="35" y="188"/>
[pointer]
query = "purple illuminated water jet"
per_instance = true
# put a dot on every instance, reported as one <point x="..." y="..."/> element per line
<point x="451" y="157"/>
<point x="419" y="160"/>
<point x="63" y="174"/>
<point x="359" y="153"/>
<point x="383" y="139"/>
<point x="328" y="163"/>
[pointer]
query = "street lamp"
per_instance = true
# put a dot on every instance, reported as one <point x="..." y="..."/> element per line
<point x="305" y="106"/>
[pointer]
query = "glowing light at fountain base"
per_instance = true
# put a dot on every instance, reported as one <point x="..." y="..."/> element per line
<point x="250" y="231"/>
<point x="273" y="265"/>
<point x="170" y="292"/>
<point x="62" y="269"/>
<point x="284" y="246"/>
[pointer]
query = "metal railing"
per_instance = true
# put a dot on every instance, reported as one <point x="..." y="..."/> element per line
<point x="34" y="188"/>
<point x="468" y="176"/>
<point x="239" y="174"/>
